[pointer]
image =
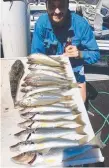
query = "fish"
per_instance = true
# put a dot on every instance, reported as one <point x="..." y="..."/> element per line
<point x="43" y="60"/>
<point x="55" y="92"/>
<point x="44" y="124"/>
<point x="42" y="99"/>
<point x="43" y="133"/>
<point x="26" y="146"/>
<point x="32" y="90"/>
<point x="58" y="155"/>
<point x="15" y="75"/>
<point x="50" y="108"/>
<point x="35" y="67"/>
<point x="27" y="89"/>
<point x="43" y="80"/>
<point x="63" y="104"/>
<point x="49" y="116"/>
<point x="58" y="58"/>
<point x="44" y="72"/>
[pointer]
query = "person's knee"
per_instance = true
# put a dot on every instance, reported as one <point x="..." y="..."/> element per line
<point x="84" y="97"/>
<point x="82" y="87"/>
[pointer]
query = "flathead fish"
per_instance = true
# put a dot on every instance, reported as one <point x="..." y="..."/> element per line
<point x="15" y="75"/>
<point x="57" y="155"/>
<point x="43" y="60"/>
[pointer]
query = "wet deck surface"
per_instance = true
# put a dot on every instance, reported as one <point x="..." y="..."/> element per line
<point x="101" y="103"/>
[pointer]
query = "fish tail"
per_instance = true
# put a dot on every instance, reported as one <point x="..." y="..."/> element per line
<point x="67" y="97"/>
<point x="83" y="140"/>
<point x="80" y="130"/>
<point x="74" y="85"/>
<point x="97" y="141"/>
<point x="74" y="107"/>
<point x="79" y="120"/>
<point x="23" y="90"/>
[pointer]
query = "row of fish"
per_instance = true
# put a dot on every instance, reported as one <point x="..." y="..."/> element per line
<point x="53" y="156"/>
<point x="53" y="125"/>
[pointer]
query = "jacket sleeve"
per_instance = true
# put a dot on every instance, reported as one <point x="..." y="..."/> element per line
<point x="91" y="53"/>
<point x="38" y="39"/>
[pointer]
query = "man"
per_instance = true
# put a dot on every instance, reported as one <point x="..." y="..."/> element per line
<point x="52" y="31"/>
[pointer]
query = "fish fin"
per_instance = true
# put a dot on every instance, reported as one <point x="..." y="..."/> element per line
<point x="74" y="85"/>
<point x="24" y="84"/>
<point x="16" y="104"/>
<point x="67" y="97"/>
<point x="45" y="151"/>
<point x="96" y="140"/>
<point x="80" y="130"/>
<point x="79" y="120"/>
<point x="74" y="107"/>
<point x="83" y="140"/>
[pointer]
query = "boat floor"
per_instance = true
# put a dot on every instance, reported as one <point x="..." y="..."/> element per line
<point x="101" y="103"/>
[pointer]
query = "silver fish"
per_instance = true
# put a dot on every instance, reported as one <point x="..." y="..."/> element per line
<point x="50" y="108"/>
<point x="35" y="67"/>
<point x="26" y="146"/>
<point x="43" y="133"/>
<point x="45" y="80"/>
<point x="41" y="100"/>
<point x="49" y="116"/>
<point x="46" y="93"/>
<point x="45" y="124"/>
<point x="44" y="60"/>
<point x="44" y="72"/>
<point x="32" y="90"/>
<point x="57" y="155"/>
<point x="45" y="89"/>
<point x="58" y="58"/>
<point x="15" y="75"/>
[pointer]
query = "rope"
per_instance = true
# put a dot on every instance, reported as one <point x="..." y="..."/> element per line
<point x="106" y="121"/>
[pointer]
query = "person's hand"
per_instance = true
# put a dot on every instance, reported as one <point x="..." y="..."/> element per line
<point x="72" y="51"/>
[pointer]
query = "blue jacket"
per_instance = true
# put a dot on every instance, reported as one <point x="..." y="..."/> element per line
<point x="51" y="40"/>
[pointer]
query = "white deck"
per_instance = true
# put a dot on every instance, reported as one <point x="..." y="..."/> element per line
<point x="10" y="117"/>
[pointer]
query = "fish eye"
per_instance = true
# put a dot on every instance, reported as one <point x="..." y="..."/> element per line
<point x="31" y="142"/>
<point x="34" y="131"/>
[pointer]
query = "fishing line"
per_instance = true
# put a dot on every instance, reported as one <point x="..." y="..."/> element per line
<point x="106" y="121"/>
